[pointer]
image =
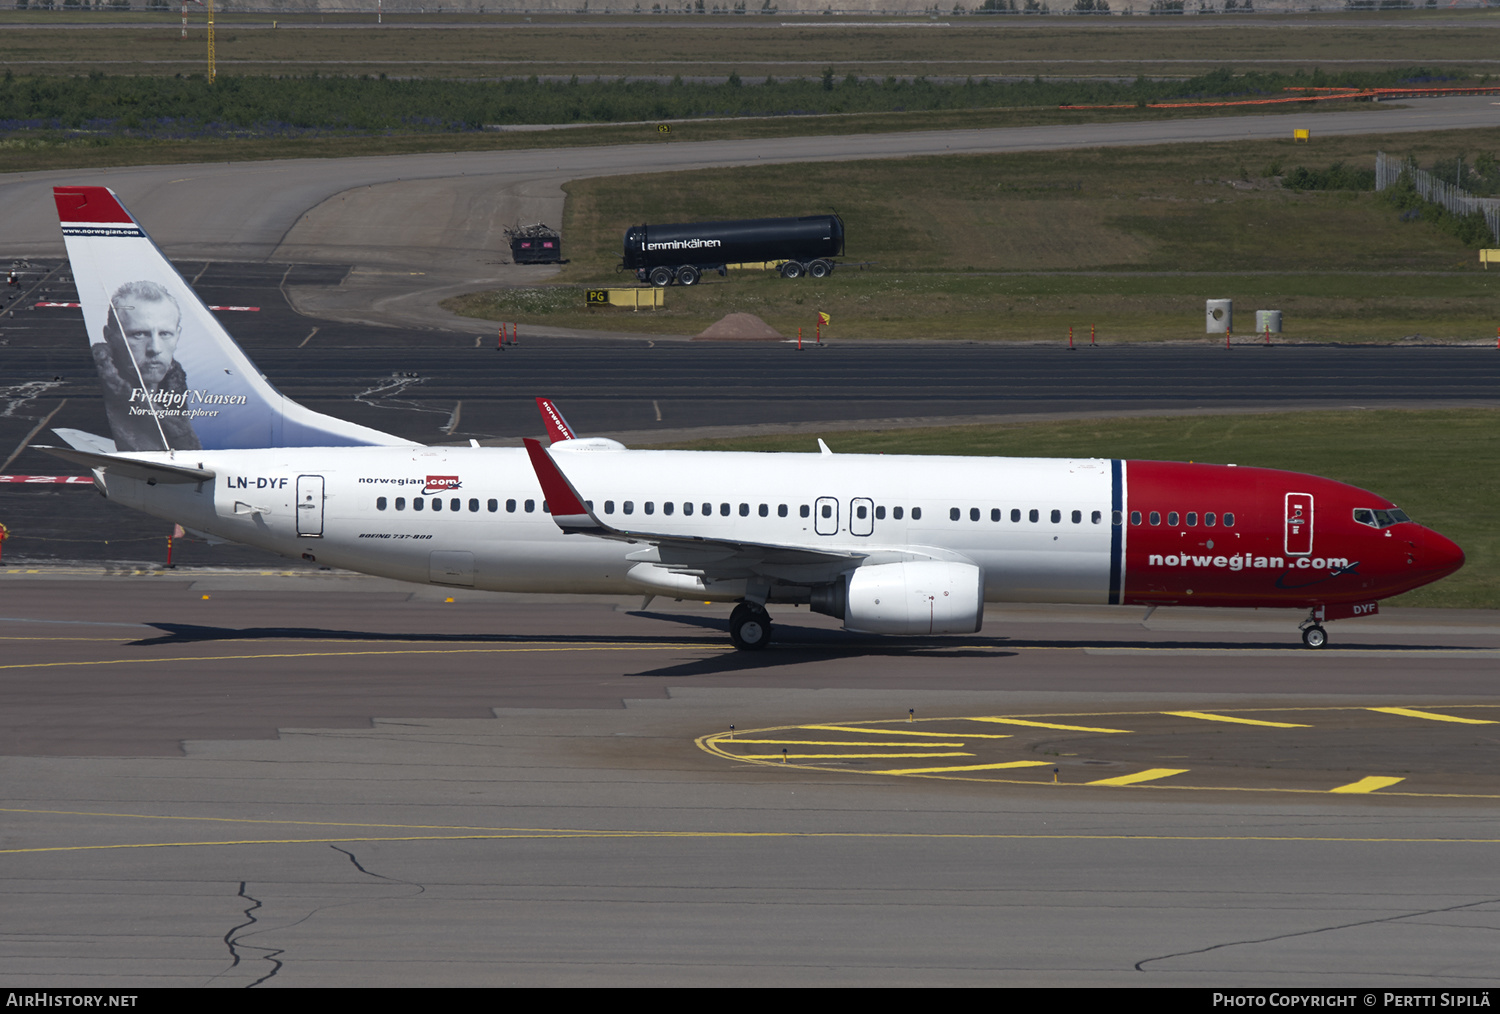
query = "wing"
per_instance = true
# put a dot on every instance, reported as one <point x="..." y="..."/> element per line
<point x="712" y="557"/>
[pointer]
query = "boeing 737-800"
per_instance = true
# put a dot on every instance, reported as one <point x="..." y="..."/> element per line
<point x="889" y="544"/>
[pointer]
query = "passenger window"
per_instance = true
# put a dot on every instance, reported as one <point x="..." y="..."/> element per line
<point x="589" y="504"/>
<point x="1135" y="517"/>
<point x="744" y="510"/>
<point x="437" y="503"/>
<point x="380" y="503"/>
<point x="1115" y="517"/>
<point x="994" y="513"/>
<point x="609" y="506"/>
<point x="805" y="510"/>
<point x="880" y="513"/>
<point x="1209" y="519"/>
<point x="860" y="512"/>
<point x="1172" y="518"/>
<point x="687" y="509"/>
<point x="417" y="503"/>
<point x="781" y="510"/>
<point x="666" y="508"/>
<point x="1057" y="517"/>
<point x="628" y="507"/>
<point x="953" y="513"/>
<point x="828" y="510"/>
<point x="545" y="508"/>
<point x="650" y="507"/>
<point x="457" y="505"/>
<point x="494" y="506"/>
<point x="1156" y="517"/>
<point x="973" y="513"/>
<point x="401" y="503"/>
<point x="1034" y="515"/>
<point x="916" y="514"/>
<point x="765" y="510"/>
<point x="708" y="510"/>
<point x="1228" y="520"/>
<point x="1192" y="518"/>
<point x="897" y="512"/>
<point x="1015" y="514"/>
<point x="510" y="506"/>
<point x="724" y="510"/>
<point x="529" y="506"/>
<point x="1078" y="518"/>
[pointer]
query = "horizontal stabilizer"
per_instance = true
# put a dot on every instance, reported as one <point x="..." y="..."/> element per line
<point x="82" y="440"/>
<point x="133" y="468"/>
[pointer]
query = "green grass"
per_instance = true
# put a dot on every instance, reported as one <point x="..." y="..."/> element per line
<point x="476" y="46"/>
<point x="1021" y="246"/>
<point x="1442" y="467"/>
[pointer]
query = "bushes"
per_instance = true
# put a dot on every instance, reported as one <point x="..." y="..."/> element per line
<point x="1336" y="177"/>
<point x="177" y="107"/>
<point x="1471" y="230"/>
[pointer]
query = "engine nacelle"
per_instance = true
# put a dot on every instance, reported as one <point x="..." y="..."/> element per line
<point x="925" y="597"/>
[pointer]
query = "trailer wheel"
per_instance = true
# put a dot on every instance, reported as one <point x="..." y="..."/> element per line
<point x="687" y="275"/>
<point x="661" y="277"/>
<point x="820" y="268"/>
<point x="791" y="269"/>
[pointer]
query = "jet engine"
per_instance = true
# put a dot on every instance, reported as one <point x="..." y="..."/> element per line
<point x="923" y="597"/>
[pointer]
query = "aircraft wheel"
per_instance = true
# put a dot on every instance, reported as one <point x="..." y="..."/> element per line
<point x="687" y="275"/>
<point x="661" y="277"/>
<point x="749" y="627"/>
<point x="791" y="269"/>
<point x="820" y="269"/>
<point x="1315" y="637"/>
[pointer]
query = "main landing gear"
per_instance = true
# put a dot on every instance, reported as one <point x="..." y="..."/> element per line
<point x="1313" y="634"/>
<point x="750" y="626"/>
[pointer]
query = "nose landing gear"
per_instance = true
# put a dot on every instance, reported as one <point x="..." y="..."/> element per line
<point x="749" y="627"/>
<point x="1313" y="634"/>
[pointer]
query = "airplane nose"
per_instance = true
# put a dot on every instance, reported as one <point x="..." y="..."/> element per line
<point x="1437" y="554"/>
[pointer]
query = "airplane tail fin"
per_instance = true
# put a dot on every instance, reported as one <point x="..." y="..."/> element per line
<point x="173" y="377"/>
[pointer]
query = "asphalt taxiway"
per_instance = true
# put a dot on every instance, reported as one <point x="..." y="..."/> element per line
<point x="227" y="779"/>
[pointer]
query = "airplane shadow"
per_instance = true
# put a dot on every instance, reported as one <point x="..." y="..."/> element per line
<point x="792" y="644"/>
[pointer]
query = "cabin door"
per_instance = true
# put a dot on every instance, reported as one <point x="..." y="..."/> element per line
<point x="310" y="505"/>
<point x="826" y="515"/>
<point x="861" y="516"/>
<point x="1299" y="524"/>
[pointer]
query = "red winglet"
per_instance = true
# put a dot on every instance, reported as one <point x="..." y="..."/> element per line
<point x="557" y="426"/>
<point x="562" y="501"/>
<point x="89" y="204"/>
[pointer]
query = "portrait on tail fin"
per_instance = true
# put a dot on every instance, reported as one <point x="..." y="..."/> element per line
<point x="145" y="388"/>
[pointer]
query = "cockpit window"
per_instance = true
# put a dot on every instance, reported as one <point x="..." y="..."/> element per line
<point x="1379" y="518"/>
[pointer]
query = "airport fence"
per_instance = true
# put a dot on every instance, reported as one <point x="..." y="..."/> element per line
<point x="1457" y="200"/>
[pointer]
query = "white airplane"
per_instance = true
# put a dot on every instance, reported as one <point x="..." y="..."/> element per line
<point x="890" y="544"/>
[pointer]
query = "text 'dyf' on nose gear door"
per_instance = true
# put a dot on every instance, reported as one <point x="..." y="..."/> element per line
<point x="826" y="515"/>
<point x="310" y="505"/>
<point x="1299" y="524"/>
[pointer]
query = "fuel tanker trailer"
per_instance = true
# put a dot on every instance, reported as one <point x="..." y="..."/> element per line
<point x="663" y="254"/>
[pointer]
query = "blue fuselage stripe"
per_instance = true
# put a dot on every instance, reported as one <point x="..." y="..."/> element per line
<point x="1116" y="531"/>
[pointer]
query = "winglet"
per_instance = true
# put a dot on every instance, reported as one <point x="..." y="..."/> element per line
<point x="567" y="507"/>
<point x="557" y="426"/>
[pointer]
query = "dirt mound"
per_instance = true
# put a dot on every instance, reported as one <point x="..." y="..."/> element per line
<point x="740" y="327"/>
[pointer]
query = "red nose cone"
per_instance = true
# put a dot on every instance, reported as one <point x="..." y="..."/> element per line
<point x="1438" y="555"/>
